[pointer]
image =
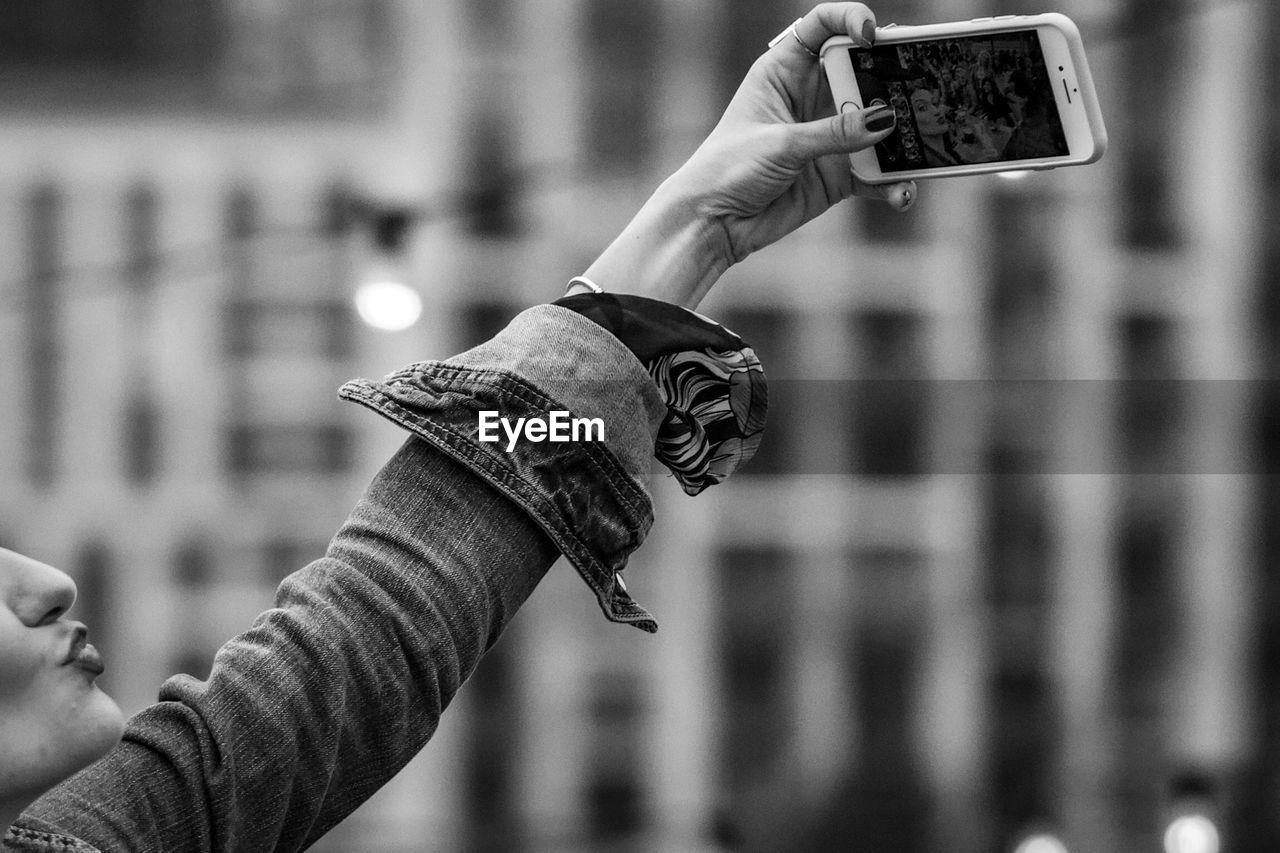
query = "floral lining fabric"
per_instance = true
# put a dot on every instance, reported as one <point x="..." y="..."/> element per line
<point x="711" y="381"/>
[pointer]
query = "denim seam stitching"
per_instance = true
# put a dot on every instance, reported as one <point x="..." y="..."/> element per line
<point x="51" y="838"/>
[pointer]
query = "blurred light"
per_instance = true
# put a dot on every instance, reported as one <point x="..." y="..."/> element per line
<point x="1191" y="834"/>
<point x="1041" y="844"/>
<point x="1016" y="175"/>
<point x="388" y="305"/>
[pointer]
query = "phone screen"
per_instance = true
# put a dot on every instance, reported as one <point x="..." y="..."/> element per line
<point x="961" y="101"/>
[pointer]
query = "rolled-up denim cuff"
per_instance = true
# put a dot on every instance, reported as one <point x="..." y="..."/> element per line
<point x="589" y="496"/>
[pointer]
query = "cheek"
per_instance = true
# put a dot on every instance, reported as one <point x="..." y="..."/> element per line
<point x="20" y="670"/>
<point x="58" y="725"/>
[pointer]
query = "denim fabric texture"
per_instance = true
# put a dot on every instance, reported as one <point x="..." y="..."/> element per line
<point x="333" y="690"/>
<point x="589" y="497"/>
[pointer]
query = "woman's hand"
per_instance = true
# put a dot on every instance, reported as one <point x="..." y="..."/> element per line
<point x="777" y="158"/>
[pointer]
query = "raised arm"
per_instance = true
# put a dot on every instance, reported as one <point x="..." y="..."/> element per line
<point x="334" y="689"/>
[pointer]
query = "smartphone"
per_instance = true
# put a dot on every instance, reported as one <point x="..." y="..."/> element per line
<point x="972" y="97"/>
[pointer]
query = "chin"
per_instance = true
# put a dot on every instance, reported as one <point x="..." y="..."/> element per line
<point x="43" y="756"/>
<point x="102" y="725"/>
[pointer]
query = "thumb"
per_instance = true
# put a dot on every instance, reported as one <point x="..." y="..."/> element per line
<point x="843" y="133"/>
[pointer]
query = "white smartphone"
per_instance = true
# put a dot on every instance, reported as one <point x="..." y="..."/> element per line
<point x="972" y="97"/>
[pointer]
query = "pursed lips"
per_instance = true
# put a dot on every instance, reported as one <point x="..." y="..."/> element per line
<point x="81" y="653"/>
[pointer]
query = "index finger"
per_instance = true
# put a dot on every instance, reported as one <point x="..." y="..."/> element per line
<point x="837" y="19"/>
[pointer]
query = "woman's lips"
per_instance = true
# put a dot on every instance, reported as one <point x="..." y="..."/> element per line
<point x="89" y="660"/>
<point x="83" y="655"/>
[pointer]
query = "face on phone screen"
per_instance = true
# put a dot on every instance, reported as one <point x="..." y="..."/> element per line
<point x="961" y="101"/>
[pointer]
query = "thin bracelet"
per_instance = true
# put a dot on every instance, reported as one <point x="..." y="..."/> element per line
<point x="585" y="282"/>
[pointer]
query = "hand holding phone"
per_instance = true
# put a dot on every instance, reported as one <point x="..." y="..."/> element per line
<point x="972" y="97"/>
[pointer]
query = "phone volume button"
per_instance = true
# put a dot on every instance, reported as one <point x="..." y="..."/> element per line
<point x="980" y="20"/>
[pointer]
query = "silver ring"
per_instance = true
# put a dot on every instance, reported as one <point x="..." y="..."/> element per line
<point x="791" y="31"/>
<point x="582" y="280"/>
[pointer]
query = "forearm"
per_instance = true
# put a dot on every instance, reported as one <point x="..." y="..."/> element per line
<point x="671" y="251"/>
<point x="333" y="690"/>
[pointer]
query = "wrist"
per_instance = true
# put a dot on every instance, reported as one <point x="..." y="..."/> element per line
<point x="669" y="251"/>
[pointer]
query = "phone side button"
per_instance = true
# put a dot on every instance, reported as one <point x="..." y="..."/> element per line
<point x="849" y="107"/>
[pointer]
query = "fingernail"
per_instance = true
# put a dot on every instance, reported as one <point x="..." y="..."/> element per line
<point x="879" y="118"/>
<point x="869" y="32"/>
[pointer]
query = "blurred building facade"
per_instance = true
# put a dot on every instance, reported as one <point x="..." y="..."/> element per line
<point x="1002" y="566"/>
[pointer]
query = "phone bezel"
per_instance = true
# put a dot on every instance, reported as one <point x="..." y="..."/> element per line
<point x="1061" y="45"/>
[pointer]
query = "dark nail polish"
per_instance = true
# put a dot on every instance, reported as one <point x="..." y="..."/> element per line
<point x="881" y="118"/>
<point x="869" y="32"/>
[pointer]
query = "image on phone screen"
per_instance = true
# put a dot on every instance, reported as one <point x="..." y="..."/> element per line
<point x="962" y="101"/>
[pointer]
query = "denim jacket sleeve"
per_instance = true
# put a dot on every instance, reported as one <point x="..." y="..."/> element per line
<point x="333" y="690"/>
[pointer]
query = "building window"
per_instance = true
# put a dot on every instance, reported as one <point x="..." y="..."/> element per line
<point x="883" y="665"/>
<point x="615" y="806"/>
<point x="891" y="583"/>
<point x="323" y="328"/>
<point x="125" y="35"/>
<point x="1147" y="605"/>
<point x="1018" y="317"/>
<point x="754" y="647"/>
<point x="284" y="449"/>
<point x="614" y="791"/>
<point x="142" y="440"/>
<point x="326" y="57"/>
<point x="1022" y="757"/>
<point x="1022" y="282"/>
<point x="334" y="223"/>
<point x="1019" y="545"/>
<point x="241" y="224"/>
<point x="1151" y="401"/>
<point x="1154" y="92"/>
<point x="338" y="211"/>
<point x="492" y="204"/>
<point x="490" y="793"/>
<point x="490" y="23"/>
<point x="1019" y="552"/>
<point x="1261" y="786"/>
<point x="1147" y="640"/>
<point x="44" y="353"/>
<point x="621" y="83"/>
<point x="888" y="408"/>
<point x="142" y="248"/>
<point x="193" y="564"/>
